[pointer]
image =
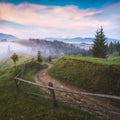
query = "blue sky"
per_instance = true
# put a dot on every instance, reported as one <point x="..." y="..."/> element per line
<point x="57" y="18"/>
<point x="80" y="3"/>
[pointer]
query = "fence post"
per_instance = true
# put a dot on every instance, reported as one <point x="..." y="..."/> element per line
<point x="53" y="95"/>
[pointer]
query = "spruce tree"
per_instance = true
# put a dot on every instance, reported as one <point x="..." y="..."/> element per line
<point x="99" y="48"/>
<point x="39" y="58"/>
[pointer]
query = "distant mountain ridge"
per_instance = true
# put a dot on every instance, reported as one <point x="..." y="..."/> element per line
<point x="75" y="40"/>
<point x="7" y="37"/>
<point x="80" y="40"/>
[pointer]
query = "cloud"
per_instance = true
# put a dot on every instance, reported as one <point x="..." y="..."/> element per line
<point x="52" y="20"/>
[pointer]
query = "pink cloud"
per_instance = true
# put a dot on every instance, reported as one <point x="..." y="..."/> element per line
<point x="42" y="16"/>
<point x="50" y="20"/>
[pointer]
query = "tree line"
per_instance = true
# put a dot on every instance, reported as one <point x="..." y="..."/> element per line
<point x="114" y="47"/>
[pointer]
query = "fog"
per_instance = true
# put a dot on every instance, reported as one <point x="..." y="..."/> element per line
<point x="31" y="48"/>
<point x="8" y="48"/>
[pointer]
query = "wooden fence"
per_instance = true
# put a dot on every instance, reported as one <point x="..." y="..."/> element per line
<point x="70" y="91"/>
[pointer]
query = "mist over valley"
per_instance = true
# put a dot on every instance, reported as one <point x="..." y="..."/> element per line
<point x="53" y="47"/>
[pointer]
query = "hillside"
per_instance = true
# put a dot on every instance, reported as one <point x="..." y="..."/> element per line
<point x="50" y="48"/>
<point x="92" y="74"/>
<point x="7" y="37"/>
<point x="21" y="105"/>
<point x="79" y="40"/>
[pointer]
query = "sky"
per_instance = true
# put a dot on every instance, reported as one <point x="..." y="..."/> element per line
<point x="59" y="18"/>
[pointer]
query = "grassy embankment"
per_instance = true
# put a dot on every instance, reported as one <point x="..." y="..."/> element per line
<point x="93" y="74"/>
<point x="17" y="105"/>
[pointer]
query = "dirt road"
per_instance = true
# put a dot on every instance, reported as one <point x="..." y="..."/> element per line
<point x="99" y="106"/>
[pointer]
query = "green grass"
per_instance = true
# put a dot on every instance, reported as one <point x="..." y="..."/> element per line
<point x="92" y="74"/>
<point x="107" y="61"/>
<point x="30" y="69"/>
<point x="18" y="105"/>
<point x="8" y="62"/>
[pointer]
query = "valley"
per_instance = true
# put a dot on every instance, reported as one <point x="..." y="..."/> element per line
<point x="59" y="60"/>
<point x="68" y="70"/>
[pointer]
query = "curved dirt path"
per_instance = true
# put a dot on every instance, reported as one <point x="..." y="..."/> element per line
<point x="100" y="106"/>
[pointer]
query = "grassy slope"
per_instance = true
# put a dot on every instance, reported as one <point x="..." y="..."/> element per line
<point x="21" y="106"/>
<point x="93" y="74"/>
<point x="108" y="61"/>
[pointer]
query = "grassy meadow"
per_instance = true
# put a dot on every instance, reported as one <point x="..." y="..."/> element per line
<point x="19" y="105"/>
<point x="107" y="61"/>
<point x="92" y="74"/>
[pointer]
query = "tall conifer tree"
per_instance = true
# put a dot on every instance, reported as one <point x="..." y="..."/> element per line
<point x="39" y="58"/>
<point x="99" y="48"/>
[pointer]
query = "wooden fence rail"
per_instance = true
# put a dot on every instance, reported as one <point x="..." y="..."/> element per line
<point x="49" y="87"/>
<point x="73" y="92"/>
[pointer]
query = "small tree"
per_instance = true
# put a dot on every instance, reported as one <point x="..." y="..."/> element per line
<point x="14" y="57"/>
<point x="39" y="58"/>
<point x="99" y="48"/>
